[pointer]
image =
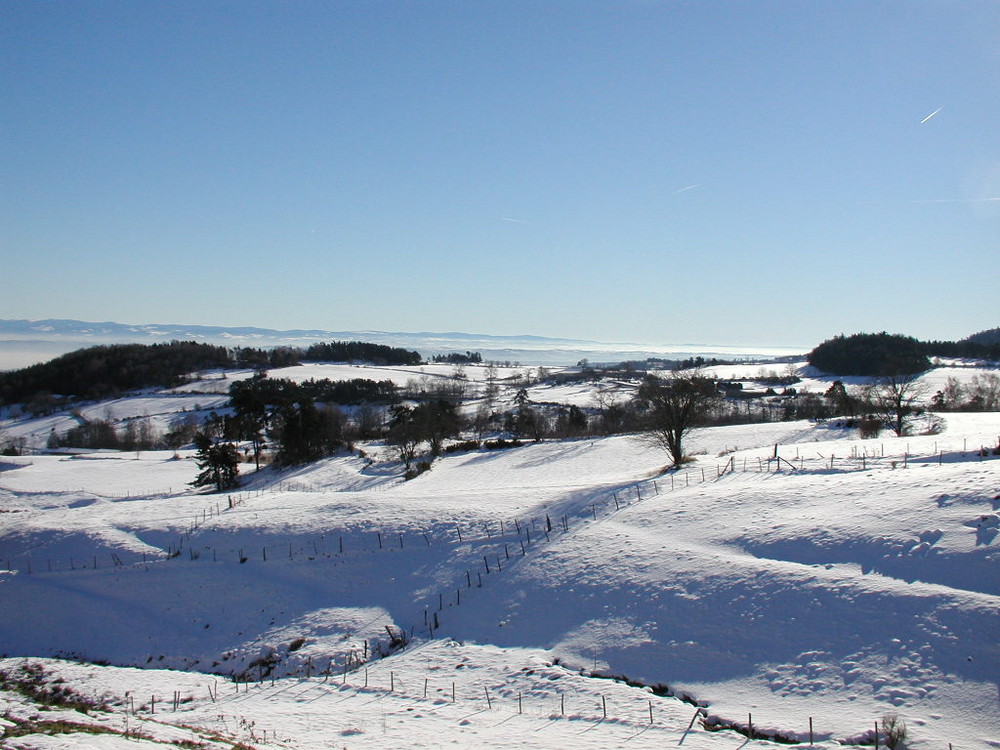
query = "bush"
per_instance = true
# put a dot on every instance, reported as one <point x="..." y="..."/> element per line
<point x="869" y="427"/>
<point x="500" y="444"/>
<point x="31" y="681"/>
<point x="465" y="446"/>
<point x="417" y="470"/>
<point x="893" y="731"/>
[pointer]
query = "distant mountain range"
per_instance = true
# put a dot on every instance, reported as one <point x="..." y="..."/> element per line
<point x="26" y="342"/>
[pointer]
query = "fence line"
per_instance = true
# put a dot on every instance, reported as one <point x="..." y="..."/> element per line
<point x="638" y="710"/>
<point x="517" y="533"/>
<point x="496" y="538"/>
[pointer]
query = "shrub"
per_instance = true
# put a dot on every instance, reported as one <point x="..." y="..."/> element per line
<point x="869" y="427"/>
<point x="893" y="731"/>
<point x="500" y="444"/>
<point x="31" y="681"/>
<point x="417" y="470"/>
<point x="467" y="445"/>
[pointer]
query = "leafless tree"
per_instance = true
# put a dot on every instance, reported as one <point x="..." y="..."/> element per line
<point x="674" y="406"/>
<point x="896" y="399"/>
<point x="611" y="404"/>
<point x="404" y="437"/>
<point x="951" y="397"/>
<point x="491" y="388"/>
<point x="984" y="392"/>
<point x="369" y="421"/>
<point x="482" y="420"/>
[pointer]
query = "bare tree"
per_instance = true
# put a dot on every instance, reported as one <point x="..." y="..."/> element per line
<point x="896" y="400"/>
<point x="611" y="403"/>
<point x="403" y="435"/>
<point x="6" y="444"/>
<point x="368" y="421"/>
<point x="984" y="392"/>
<point x="482" y="420"/>
<point x="675" y="405"/>
<point x="491" y="389"/>
<point x="951" y="397"/>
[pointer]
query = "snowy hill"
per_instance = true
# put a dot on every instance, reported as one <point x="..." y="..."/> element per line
<point x="845" y="580"/>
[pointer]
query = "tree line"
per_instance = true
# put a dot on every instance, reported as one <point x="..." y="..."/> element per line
<point x="101" y="372"/>
<point x="885" y="354"/>
<point x="298" y="422"/>
<point x="455" y="358"/>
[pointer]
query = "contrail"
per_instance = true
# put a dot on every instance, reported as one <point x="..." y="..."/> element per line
<point x="957" y="200"/>
<point x="930" y="115"/>
<point x="689" y="187"/>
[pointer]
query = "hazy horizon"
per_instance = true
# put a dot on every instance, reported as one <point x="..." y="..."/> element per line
<point x="24" y="342"/>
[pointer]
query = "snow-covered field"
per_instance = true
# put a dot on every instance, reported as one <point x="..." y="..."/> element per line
<point x="847" y="581"/>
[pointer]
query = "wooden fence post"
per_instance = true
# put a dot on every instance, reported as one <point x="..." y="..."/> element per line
<point x="697" y="712"/>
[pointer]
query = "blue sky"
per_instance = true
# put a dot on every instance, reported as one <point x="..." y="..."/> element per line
<point x="650" y="171"/>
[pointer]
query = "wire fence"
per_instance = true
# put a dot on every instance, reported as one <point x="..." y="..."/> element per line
<point x="637" y="710"/>
<point x="496" y="545"/>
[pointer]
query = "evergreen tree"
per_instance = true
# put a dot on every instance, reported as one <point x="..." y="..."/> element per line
<point x="251" y="418"/>
<point x="436" y="421"/>
<point x="879" y="354"/>
<point x="843" y="403"/>
<point x="218" y="462"/>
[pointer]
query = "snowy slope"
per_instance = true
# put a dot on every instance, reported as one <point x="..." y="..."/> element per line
<point x="847" y="580"/>
<point x="836" y="594"/>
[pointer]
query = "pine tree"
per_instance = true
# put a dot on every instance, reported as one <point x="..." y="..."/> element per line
<point x="218" y="462"/>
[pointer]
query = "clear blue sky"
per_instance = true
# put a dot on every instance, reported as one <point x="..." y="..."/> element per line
<point x="658" y="171"/>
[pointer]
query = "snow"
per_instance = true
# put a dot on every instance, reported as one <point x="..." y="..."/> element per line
<point x="816" y="381"/>
<point x="850" y="579"/>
